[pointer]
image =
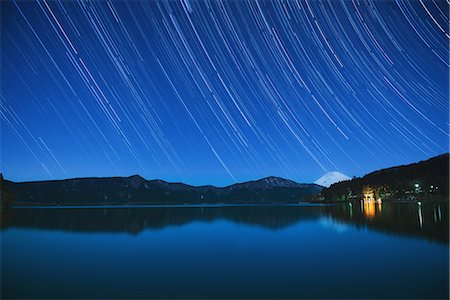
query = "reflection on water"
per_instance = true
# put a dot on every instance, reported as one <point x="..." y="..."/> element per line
<point x="288" y="252"/>
<point x="369" y="208"/>
<point x="134" y="220"/>
<point x="437" y="216"/>
<point x="379" y="206"/>
<point x="428" y="220"/>
<point x="420" y="216"/>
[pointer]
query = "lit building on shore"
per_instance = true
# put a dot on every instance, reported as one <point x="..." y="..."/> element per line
<point x="368" y="194"/>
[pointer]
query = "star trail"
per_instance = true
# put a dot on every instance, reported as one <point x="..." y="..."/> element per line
<point x="214" y="92"/>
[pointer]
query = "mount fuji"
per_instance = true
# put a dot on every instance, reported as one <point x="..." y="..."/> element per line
<point x="330" y="178"/>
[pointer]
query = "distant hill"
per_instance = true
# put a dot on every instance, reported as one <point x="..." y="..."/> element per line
<point x="424" y="180"/>
<point x="136" y="190"/>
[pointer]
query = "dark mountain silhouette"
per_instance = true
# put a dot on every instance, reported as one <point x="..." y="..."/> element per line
<point x="136" y="190"/>
<point x="423" y="180"/>
<point x="396" y="183"/>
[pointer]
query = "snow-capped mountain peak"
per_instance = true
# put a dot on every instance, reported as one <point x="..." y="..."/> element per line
<point x="330" y="178"/>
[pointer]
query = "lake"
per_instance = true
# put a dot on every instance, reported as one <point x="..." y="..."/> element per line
<point x="363" y="250"/>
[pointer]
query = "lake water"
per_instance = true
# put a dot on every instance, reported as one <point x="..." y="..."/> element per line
<point x="389" y="250"/>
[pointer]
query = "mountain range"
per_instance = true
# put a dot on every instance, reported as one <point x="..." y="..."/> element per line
<point x="135" y="190"/>
<point x="424" y="180"/>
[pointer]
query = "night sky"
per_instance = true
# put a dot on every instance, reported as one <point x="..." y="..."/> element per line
<point x="221" y="91"/>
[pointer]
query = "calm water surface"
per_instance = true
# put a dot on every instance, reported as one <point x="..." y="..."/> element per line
<point x="391" y="250"/>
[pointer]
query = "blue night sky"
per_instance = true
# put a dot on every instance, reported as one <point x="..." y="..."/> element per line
<point x="214" y="92"/>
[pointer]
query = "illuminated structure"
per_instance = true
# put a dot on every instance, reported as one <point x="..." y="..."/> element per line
<point x="368" y="194"/>
<point x="369" y="202"/>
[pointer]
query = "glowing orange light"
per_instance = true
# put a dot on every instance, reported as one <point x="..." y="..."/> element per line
<point x="369" y="209"/>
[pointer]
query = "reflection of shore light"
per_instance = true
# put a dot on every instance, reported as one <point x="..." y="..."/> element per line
<point x="379" y="206"/>
<point x="420" y="217"/>
<point x="369" y="209"/>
